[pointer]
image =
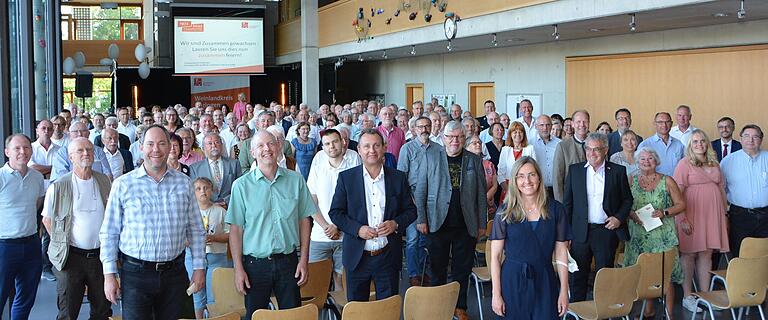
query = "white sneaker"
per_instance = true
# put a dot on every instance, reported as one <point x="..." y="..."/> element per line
<point x="689" y="303"/>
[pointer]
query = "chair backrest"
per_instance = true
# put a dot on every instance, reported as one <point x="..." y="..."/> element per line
<point x="753" y="248"/>
<point x="488" y="227"/>
<point x="228" y="316"/>
<point x="431" y="302"/>
<point x="746" y="280"/>
<point x="387" y="309"/>
<point x="307" y="312"/>
<point x="615" y="291"/>
<point x="320" y="273"/>
<point x="649" y="285"/>
<point x="227" y="298"/>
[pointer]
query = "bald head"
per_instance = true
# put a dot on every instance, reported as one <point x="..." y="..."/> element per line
<point x="80" y="151"/>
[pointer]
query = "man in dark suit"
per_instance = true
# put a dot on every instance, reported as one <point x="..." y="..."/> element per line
<point x="725" y="145"/>
<point x="623" y="123"/>
<point x="373" y="206"/>
<point x="222" y="171"/>
<point x="597" y="199"/>
<point x="489" y="107"/>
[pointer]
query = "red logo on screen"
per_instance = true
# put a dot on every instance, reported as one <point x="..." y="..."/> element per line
<point x="244" y="24"/>
<point x="198" y="82"/>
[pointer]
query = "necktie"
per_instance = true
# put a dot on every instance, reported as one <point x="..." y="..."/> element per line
<point x="725" y="150"/>
<point x="216" y="174"/>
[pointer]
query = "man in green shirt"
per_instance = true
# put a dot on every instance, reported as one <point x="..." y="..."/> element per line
<point x="269" y="213"/>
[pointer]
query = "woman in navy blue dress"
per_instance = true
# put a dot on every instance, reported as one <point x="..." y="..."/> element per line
<point x="529" y="228"/>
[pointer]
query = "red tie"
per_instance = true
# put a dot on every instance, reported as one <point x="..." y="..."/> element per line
<point x="725" y="150"/>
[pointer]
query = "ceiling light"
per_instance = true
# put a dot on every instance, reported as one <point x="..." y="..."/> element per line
<point x="494" y="43"/>
<point x="515" y="40"/>
<point x="360" y="57"/>
<point x="413" y="50"/>
<point x="632" y="23"/>
<point x="555" y="34"/>
<point x="384" y="55"/>
<point x="741" y="14"/>
<point x="720" y="15"/>
<point x="595" y="29"/>
<point x="449" y="46"/>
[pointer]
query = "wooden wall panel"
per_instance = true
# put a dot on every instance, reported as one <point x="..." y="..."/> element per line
<point x="714" y="82"/>
<point x="95" y="50"/>
<point x="335" y="20"/>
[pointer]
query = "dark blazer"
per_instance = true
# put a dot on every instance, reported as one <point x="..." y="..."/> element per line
<point x="617" y="198"/>
<point x="122" y="142"/>
<point x="231" y="171"/>
<point x="127" y="160"/>
<point x="483" y="122"/>
<point x="614" y="143"/>
<point x="286" y="125"/>
<point x="348" y="212"/>
<point x="718" y="148"/>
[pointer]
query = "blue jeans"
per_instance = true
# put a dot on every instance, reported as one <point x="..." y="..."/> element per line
<point x="204" y="297"/>
<point x="415" y="242"/>
<point x="20" y="265"/>
<point x="271" y="274"/>
<point x="150" y="294"/>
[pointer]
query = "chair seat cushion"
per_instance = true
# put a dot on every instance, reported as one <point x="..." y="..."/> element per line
<point x="584" y="309"/>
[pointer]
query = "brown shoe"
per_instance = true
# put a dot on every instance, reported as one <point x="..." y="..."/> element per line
<point x="415" y="282"/>
<point x="461" y="314"/>
<point x="425" y="281"/>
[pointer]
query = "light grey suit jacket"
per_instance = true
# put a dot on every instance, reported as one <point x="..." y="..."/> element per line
<point x="567" y="153"/>
<point x="231" y="171"/>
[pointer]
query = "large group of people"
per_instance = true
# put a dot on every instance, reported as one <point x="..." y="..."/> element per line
<point x="141" y="205"/>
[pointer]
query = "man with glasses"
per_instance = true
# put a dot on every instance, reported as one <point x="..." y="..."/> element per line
<point x="62" y="165"/>
<point x="670" y="149"/>
<point x="59" y="127"/>
<point x="746" y="176"/>
<point x="545" y="145"/>
<point x="123" y="142"/>
<point x="598" y="200"/>
<point x="726" y="144"/>
<point x="98" y="125"/>
<point x="126" y="126"/>
<point x="623" y="123"/>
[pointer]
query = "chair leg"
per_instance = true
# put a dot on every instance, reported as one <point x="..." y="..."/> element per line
<point x="572" y="314"/>
<point x="762" y="315"/>
<point x="642" y="308"/>
<point x="477" y="290"/>
<point x="424" y="269"/>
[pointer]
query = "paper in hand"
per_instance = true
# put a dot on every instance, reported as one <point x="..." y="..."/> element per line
<point x="192" y="288"/>
<point x="646" y="216"/>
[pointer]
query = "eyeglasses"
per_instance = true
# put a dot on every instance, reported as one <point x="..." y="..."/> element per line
<point x="450" y="137"/>
<point x="424" y="127"/>
<point x="598" y="149"/>
<point x="663" y="122"/>
<point x="751" y="137"/>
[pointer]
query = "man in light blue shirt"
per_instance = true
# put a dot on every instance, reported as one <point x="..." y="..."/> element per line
<point x="21" y="190"/>
<point x="62" y="165"/>
<point x="544" y="146"/>
<point x="670" y="150"/>
<point x="746" y="177"/>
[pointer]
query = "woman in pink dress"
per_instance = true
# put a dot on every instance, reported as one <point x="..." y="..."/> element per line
<point x="239" y="108"/>
<point x="703" y="226"/>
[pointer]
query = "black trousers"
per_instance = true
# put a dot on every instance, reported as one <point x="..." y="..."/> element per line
<point x="746" y="223"/>
<point x="456" y="244"/>
<point x="82" y="269"/>
<point x="152" y="294"/>
<point x="601" y="244"/>
<point x="267" y="275"/>
<point x="380" y="269"/>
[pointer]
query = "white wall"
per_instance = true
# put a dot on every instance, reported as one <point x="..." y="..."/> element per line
<point x="530" y="69"/>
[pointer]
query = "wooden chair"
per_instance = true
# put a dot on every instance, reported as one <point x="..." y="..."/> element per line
<point x="315" y="290"/>
<point x="745" y="284"/>
<point x="482" y="275"/>
<point x="387" y="309"/>
<point x="615" y="290"/>
<point x="649" y="285"/>
<point x="750" y="248"/>
<point x="480" y="245"/>
<point x="226" y="296"/>
<point x="431" y="302"/>
<point x="306" y="312"/>
<point x="228" y="316"/>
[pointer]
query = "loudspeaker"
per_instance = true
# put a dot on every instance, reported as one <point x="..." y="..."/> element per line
<point x="84" y="85"/>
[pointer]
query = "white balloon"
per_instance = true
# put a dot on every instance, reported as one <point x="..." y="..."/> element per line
<point x="79" y="59"/>
<point x="113" y="51"/>
<point x="144" y="70"/>
<point x="106" y="61"/>
<point x="69" y="65"/>
<point x="140" y="52"/>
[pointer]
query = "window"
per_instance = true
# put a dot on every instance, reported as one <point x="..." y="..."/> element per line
<point x="101" y="100"/>
<point x="95" y="23"/>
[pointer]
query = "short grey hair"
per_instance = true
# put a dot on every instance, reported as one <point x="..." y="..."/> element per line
<point x="111" y="120"/>
<point x="650" y="151"/>
<point x="212" y="134"/>
<point x="277" y="131"/>
<point x="597" y="136"/>
<point x="454" y="125"/>
<point x="73" y="143"/>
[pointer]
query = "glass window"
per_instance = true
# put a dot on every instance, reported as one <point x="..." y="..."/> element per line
<point x="95" y="23"/>
<point x="100" y="101"/>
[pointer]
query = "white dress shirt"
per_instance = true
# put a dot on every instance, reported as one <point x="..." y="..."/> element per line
<point x="530" y="130"/>
<point x="322" y="184"/>
<point x="218" y="163"/>
<point x="545" y="155"/>
<point x="116" y="163"/>
<point x="375" y="201"/>
<point x="682" y="136"/>
<point x="128" y="130"/>
<point x="595" y="191"/>
<point x="43" y="157"/>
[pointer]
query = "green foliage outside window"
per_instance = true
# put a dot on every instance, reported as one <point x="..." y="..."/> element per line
<point x="99" y="102"/>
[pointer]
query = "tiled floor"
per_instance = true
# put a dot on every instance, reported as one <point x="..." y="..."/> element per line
<point x="45" y="305"/>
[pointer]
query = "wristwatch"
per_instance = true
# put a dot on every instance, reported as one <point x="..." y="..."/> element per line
<point x="666" y="213"/>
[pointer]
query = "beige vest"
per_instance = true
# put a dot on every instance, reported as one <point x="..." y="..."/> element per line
<point x="61" y="215"/>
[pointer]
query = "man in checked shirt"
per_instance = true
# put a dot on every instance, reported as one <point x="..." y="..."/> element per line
<point x="150" y="215"/>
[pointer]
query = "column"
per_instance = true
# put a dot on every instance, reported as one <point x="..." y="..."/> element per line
<point x="310" y="55"/>
<point x="39" y="47"/>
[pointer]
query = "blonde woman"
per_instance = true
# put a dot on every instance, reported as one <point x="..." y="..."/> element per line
<point x="239" y="107"/>
<point x="529" y="228"/>
<point x="702" y="228"/>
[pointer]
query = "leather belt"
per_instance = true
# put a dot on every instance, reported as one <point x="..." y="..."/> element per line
<point x="19" y="240"/>
<point x="155" y="266"/>
<point x="376" y="252"/>
<point x="737" y="209"/>
<point x="92" y="253"/>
